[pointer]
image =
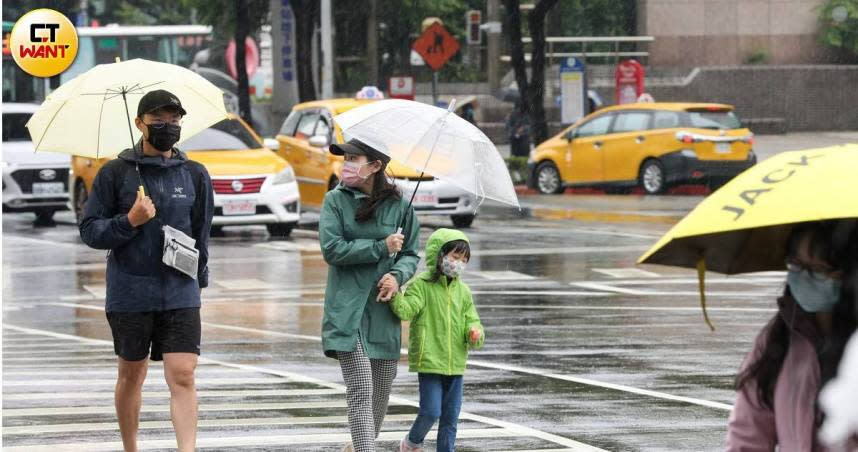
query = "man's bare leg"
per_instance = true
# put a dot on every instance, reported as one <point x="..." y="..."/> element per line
<point x="179" y="371"/>
<point x="128" y="399"/>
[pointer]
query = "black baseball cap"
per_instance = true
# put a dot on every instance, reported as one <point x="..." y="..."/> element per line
<point x="159" y="98"/>
<point x="357" y="147"/>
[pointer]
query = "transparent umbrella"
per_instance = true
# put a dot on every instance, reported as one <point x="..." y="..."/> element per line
<point x="433" y="141"/>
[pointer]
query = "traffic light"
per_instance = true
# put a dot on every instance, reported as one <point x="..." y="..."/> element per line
<point x="473" y="19"/>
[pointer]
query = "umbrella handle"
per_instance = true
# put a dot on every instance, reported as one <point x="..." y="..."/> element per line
<point x="398" y="231"/>
<point x="141" y="191"/>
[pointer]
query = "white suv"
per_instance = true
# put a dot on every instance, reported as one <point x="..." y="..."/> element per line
<point x="35" y="182"/>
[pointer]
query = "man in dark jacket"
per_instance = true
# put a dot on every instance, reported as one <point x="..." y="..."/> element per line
<point x="150" y="304"/>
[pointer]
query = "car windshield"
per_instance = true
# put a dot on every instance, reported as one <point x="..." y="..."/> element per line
<point x="14" y="127"/>
<point x="227" y="135"/>
<point x="714" y="120"/>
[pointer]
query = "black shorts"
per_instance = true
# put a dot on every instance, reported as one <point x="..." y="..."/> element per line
<point x="175" y="331"/>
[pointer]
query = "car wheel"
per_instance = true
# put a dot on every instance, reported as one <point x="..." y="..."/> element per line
<point x="216" y="231"/>
<point x="80" y="197"/>
<point x="652" y="177"/>
<point x="548" y="179"/>
<point x="463" y="221"/>
<point x="332" y="184"/>
<point x="279" y="229"/>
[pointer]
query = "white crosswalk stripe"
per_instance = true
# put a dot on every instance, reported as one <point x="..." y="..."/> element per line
<point x="58" y="395"/>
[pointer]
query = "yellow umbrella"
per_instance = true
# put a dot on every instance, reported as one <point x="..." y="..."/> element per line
<point x="743" y="226"/>
<point x="91" y="115"/>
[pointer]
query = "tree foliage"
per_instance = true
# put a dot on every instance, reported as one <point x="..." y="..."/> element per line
<point x="839" y="28"/>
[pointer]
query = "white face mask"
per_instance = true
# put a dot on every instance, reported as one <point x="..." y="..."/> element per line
<point x="453" y="268"/>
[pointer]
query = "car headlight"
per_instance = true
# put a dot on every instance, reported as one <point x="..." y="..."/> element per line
<point x="286" y="176"/>
<point x="689" y="153"/>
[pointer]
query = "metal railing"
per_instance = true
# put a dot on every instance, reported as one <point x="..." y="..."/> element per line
<point x="553" y="41"/>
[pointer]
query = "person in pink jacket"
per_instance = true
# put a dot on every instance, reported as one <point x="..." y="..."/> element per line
<point x="800" y="348"/>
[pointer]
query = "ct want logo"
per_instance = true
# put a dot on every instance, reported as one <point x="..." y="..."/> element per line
<point x="43" y="43"/>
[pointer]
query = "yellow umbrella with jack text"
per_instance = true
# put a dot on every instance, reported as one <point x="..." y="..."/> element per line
<point x="743" y="227"/>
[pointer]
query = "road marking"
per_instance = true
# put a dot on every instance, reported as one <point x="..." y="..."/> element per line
<point x="626" y="272"/>
<point x="202" y="423"/>
<point x="97" y="291"/>
<point x="695" y="309"/>
<point x="567" y="250"/>
<point x="244" y="284"/>
<point x="107" y="382"/>
<point x="506" y="275"/>
<point x="268" y="440"/>
<point x="590" y="382"/>
<point x="553" y="293"/>
<point x="105" y="371"/>
<point x="166" y="394"/>
<point x="520" y="430"/>
<point x="109" y="409"/>
<point x="517" y="369"/>
<point x="709" y="281"/>
<point x="609" y="287"/>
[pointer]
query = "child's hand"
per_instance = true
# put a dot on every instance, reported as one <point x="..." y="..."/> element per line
<point x="387" y="288"/>
<point x="474" y="335"/>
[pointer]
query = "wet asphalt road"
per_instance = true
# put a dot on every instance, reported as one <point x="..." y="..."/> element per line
<point x="584" y="349"/>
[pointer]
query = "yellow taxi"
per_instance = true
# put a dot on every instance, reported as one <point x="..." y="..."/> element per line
<point x="651" y="145"/>
<point x="303" y="141"/>
<point x="252" y="185"/>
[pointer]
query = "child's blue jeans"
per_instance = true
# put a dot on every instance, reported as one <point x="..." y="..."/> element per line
<point x="440" y="399"/>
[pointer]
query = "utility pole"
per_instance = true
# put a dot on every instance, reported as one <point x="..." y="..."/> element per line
<point x="327" y="52"/>
<point x="493" y="41"/>
<point x="372" y="45"/>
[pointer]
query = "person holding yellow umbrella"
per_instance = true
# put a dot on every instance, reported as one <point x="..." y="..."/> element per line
<point x="793" y="212"/>
<point x="151" y="209"/>
<point x="800" y="348"/>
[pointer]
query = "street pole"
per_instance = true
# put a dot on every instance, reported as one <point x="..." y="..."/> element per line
<point x="435" y="88"/>
<point x="372" y="45"/>
<point x="493" y="42"/>
<point x="327" y="52"/>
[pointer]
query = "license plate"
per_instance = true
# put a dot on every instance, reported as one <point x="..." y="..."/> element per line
<point x="48" y="188"/>
<point x="723" y="148"/>
<point x="239" y="208"/>
<point x="425" y="199"/>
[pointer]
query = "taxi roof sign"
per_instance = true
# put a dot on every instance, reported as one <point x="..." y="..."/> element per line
<point x="436" y="45"/>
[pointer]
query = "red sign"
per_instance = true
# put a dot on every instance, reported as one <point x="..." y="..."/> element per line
<point x="629" y="82"/>
<point x="251" y="57"/>
<point x="436" y="45"/>
<point x="401" y="88"/>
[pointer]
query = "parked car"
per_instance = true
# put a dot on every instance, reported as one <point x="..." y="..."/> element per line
<point x="651" y="145"/>
<point x="252" y="185"/>
<point x="32" y="181"/>
<point x="304" y="139"/>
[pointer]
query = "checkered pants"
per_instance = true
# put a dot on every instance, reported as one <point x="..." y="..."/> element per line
<point x="368" y="383"/>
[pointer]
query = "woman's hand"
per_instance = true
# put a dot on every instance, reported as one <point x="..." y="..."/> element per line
<point x="387" y="288"/>
<point x="394" y="243"/>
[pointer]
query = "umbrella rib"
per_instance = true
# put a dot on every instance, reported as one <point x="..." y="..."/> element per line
<point x="98" y="131"/>
<point x="42" y="138"/>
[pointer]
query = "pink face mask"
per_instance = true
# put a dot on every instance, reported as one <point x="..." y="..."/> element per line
<point x="351" y="174"/>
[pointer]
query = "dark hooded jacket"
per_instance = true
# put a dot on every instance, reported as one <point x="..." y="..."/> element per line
<point x="137" y="279"/>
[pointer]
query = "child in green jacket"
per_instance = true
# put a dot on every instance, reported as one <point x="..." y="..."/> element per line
<point x="444" y="325"/>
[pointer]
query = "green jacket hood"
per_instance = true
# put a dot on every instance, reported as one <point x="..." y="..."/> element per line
<point x="437" y="240"/>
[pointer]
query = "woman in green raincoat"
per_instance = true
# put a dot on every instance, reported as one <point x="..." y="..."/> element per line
<point x="368" y="261"/>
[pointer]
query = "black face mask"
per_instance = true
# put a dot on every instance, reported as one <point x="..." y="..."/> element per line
<point x="164" y="137"/>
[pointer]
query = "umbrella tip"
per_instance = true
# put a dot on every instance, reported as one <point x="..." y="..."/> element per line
<point x="452" y="105"/>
